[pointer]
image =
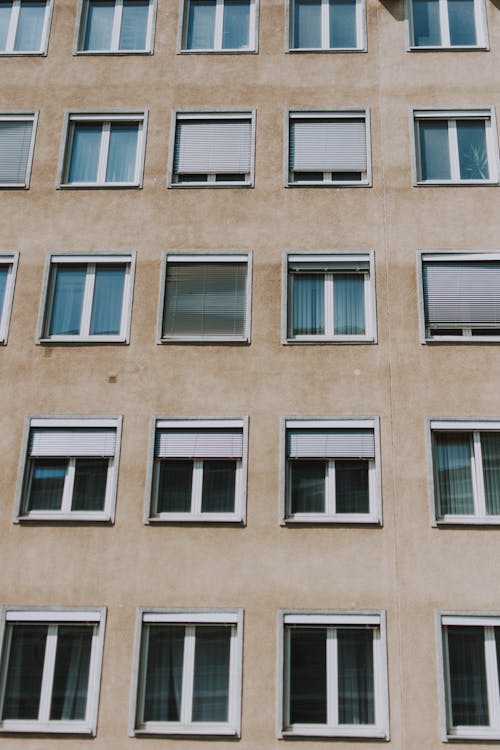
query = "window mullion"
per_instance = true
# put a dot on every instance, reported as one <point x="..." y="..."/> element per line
<point x="330" y="499"/>
<point x="48" y="673"/>
<point x="103" y="153"/>
<point x="325" y="24"/>
<point x="444" y="23"/>
<point x="490" y="655"/>
<point x="69" y="483"/>
<point x="328" y="294"/>
<point x="117" y="24"/>
<point x="480" y="499"/>
<point x="197" y="488"/>
<point x="88" y="296"/>
<point x="188" y="675"/>
<point x="219" y="22"/>
<point x="453" y="147"/>
<point x="233" y="668"/>
<point x="332" y="709"/>
<point x="14" y="20"/>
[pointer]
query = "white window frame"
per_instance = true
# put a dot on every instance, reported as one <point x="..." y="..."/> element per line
<point x="115" y="35"/>
<point x="92" y="261"/>
<point x="488" y="621"/>
<point x="233" y="618"/>
<point x="11" y="34"/>
<point x="54" y="616"/>
<point x="31" y="116"/>
<point x="238" y="515"/>
<point x="330" y="516"/>
<point x="486" y="115"/>
<point x="361" y="44"/>
<point x="333" y="620"/>
<point x="219" y="18"/>
<point x="9" y="261"/>
<point x="106" y="119"/>
<point x="107" y="515"/>
<point x="341" y="256"/>
<point x="480" y="23"/>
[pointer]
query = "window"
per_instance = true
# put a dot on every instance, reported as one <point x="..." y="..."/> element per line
<point x="70" y="470"/>
<point x="199" y="470"/>
<point x="51" y="664"/>
<point x="17" y="137"/>
<point x="24" y="26"/>
<point x="444" y="24"/>
<point x="213" y="149"/>
<point x="332" y="471"/>
<point x="8" y="270"/>
<point x="88" y="299"/>
<point x="189" y="673"/>
<point x="471" y="671"/>
<point x="330" y="298"/>
<point x="329" y="148"/>
<point x="206" y="298"/>
<point x="461" y="295"/>
<point x="104" y="150"/>
<point x="334" y="675"/>
<point x="116" y="26"/>
<point x="456" y="147"/>
<point x="333" y="25"/>
<point x="219" y="26"/>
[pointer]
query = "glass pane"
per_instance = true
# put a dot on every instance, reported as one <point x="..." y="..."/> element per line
<point x="67" y="301"/>
<point x="201" y="24"/>
<point x="219" y="478"/>
<point x="174" y="486"/>
<point x="24" y="672"/>
<point x="307" y="675"/>
<point x="134" y="27"/>
<point x="308" y="304"/>
<point x="4" y="274"/>
<point x="490" y="448"/>
<point x="85" y="153"/>
<point x="5" y="13"/>
<point x="122" y="153"/>
<point x="308" y="486"/>
<point x="164" y="662"/>
<point x="434" y="150"/>
<point x="100" y="16"/>
<point x="108" y="300"/>
<point x="453" y="456"/>
<point x="30" y="26"/>
<point x="71" y="672"/>
<point x="307" y="24"/>
<point x="355" y="679"/>
<point x="426" y="27"/>
<point x="236" y="24"/>
<point x="89" y="491"/>
<point x="472" y="153"/>
<point x="469" y="698"/>
<point x="47" y="483"/>
<point x="462" y="22"/>
<point x="343" y="23"/>
<point x="211" y="673"/>
<point x="349" y="304"/>
<point x="351" y="487"/>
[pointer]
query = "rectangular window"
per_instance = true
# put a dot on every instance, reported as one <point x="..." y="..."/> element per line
<point x="70" y="470"/>
<point x="116" y="26"/>
<point x="8" y="270"/>
<point x="199" y="470"/>
<point x="219" y="26"/>
<point x="88" y="299"/>
<point x="456" y="147"/>
<point x="466" y="458"/>
<point x="51" y="663"/>
<point x="471" y="655"/>
<point x="104" y="150"/>
<point x="329" y="148"/>
<point x="189" y="673"/>
<point x="332" y="471"/>
<point x="213" y="149"/>
<point x="327" y="25"/>
<point x="24" y="26"/>
<point x="330" y="298"/>
<point x="447" y="24"/>
<point x="334" y="675"/>
<point x="17" y="138"/>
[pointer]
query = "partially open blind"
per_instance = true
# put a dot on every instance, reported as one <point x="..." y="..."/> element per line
<point x="330" y="443"/>
<point x="328" y="145"/>
<point x="212" y="146"/>
<point x="15" y="142"/>
<point x="206" y="443"/>
<point x="46" y="441"/>
<point x="467" y="292"/>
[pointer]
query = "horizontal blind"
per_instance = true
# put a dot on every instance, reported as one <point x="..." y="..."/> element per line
<point x="172" y="443"/>
<point x="208" y="146"/>
<point x="72" y="442"/>
<point x="328" y="145"/>
<point x="15" y="142"/>
<point x="462" y="292"/>
<point x="325" y="443"/>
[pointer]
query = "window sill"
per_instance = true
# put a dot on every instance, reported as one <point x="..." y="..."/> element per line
<point x="463" y="340"/>
<point x="458" y="183"/>
<point x="58" y="517"/>
<point x="106" y="53"/>
<point x="330" y="50"/>
<point x="206" y="340"/>
<point x="346" y="518"/>
<point x="217" y="51"/>
<point x="28" y="53"/>
<point x="306" y="730"/>
<point x="323" y="341"/>
<point x="165" y="518"/>
<point x="87" y="340"/>
<point x="458" y="48"/>
<point x="46" y="727"/>
<point x="100" y="186"/>
<point x="15" y="186"/>
<point x="179" y="730"/>
<point x="358" y="184"/>
<point x="473" y="733"/>
<point x="468" y="521"/>
<point x="209" y="185"/>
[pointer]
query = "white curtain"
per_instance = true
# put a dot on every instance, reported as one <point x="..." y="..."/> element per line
<point x="134" y="25"/>
<point x="108" y="300"/>
<point x="453" y="473"/>
<point x="71" y="673"/>
<point x="211" y="673"/>
<point x="355" y="676"/>
<point x="122" y="153"/>
<point x="100" y="15"/>
<point x="201" y="25"/>
<point x="30" y="26"/>
<point x="349" y="304"/>
<point x="164" y="673"/>
<point x="218" y="486"/>
<point x="68" y="300"/>
<point x="308" y="304"/>
<point x="85" y="152"/>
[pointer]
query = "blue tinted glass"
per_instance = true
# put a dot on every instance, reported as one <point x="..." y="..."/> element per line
<point x="472" y="153"/>
<point x="5" y="13"/>
<point x="30" y="27"/>
<point x="108" y="300"/>
<point x="462" y="22"/>
<point x="343" y="23"/>
<point x="4" y="272"/>
<point x="201" y="24"/>
<point x="307" y="24"/>
<point x="426" y="28"/>
<point x="236" y="24"/>
<point x="85" y="153"/>
<point x="349" y="304"/>
<point x="68" y="300"/>
<point x="99" y="25"/>
<point x="434" y="150"/>
<point x="134" y="25"/>
<point x="308" y="304"/>
<point x="122" y="153"/>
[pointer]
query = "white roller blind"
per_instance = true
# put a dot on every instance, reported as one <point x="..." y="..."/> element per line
<point x="213" y="146"/>
<point x="324" y="443"/>
<point x="15" y="143"/>
<point x="225" y="443"/>
<point x="462" y="292"/>
<point x="337" y="145"/>
<point x="72" y="442"/>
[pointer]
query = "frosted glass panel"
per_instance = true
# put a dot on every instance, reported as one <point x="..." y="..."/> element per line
<point x="85" y="153"/>
<point x="472" y="152"/>
<point x="307" y="24"/>
<point x="462" y="22"/>
<point x="108" y="300"/>
<point x="30" y="26"/>
<point x="122" y="153"/>
<point x="5" y="13"/>
<point x="434" y="151"/>
<point x="426" y="28"/>
<point x="235" y="28"/>
<point x="100" y="15"/>
<point x="134" y="27"/>
<point x="343" y="23"/>
<point x="68" y="300"/>
<point x="201" y="24"/>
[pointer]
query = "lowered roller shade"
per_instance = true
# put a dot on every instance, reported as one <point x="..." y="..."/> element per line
<point x="318" y="443"/>
<point x="15" y="144"/>
<point x="213" y="146"/>
<point x="463" y="293"/>
<point x="224" y="443"/>
<point x="72" y="442"/>
<point x="323" y="145"/>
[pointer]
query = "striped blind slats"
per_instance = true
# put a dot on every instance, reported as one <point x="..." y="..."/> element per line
<point x="72" y="442"/>
<point x="465" y="292"/>
<point x="172" y="443"/>
<point x="328" y="145"/>
<point x="324" y="443"/>
<point x="212" y="146"/>
<point x="15" y="143"/>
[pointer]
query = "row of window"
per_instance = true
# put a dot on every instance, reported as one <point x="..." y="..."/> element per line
<point x="127" y="26"/>
<point x="216" y="149"/>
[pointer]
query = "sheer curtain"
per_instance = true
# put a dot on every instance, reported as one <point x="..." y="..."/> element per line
<point x="307" y="24"/>
<point x="349" y="304"/>
<point x="30" y="26"/>
<point x="100" y="15"/>
<point x="308" y="304"/>
<point x="122" y="153"/>
<point x="236" y="24"/>
<point x="108" y="300"/>
<point x="218" y="490"/>
<point x="164" y="673"/>
<point x="47" y="483"/>
<point x="134" y="24"/>
<point x="5" y="13"/>
<point x="342" y="23"/>
<point x="434" y="150"/>
<point x="351" y="487"/>
<point x="201" y="25"/>
<point x="89" y="491"/>
<point x="71" y="673"/>
<point x="211" y="673"/>
<point x="85" y="152"/>
<point x="469" y="698"/>
<point x="426" y="26"/>
<point x="308" y="486"/>
<point x="68" y="300"/>
<point x="490" y="448"/>
<point x="24" y="672"/>
<point x="453" y="455"/>
<point x="355" y="676"/>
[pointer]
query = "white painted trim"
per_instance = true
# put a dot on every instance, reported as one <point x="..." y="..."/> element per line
<point x="81" y="27"/>
<point x="481" y="29"/>
<point x="182" y="33"/>
<point x="361" y="36"/>
<point x="11" y="261"/>
<point x="9" y="50"/>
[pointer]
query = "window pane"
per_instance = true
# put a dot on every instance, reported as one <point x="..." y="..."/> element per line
<point x="85" y="153"/>
<point x="355" y="679"/>
<point x="308" y="676"/>
<point x="426" y="27"/>
<point x="469" y="698"/>
<point x="211" y="673"/>
<point x="174" y="486"/>
<point x="236" y="23"/>
<point x="71" y="672"/>
<point x="89" y="491"/>
<point x="47" y="483"/>
<point x="122" y="153"/>
<point x="4" y="273"/>
<point x="100" y="15"/>
<point x="30" y="26"/>
<point x="308" y="304"/>
<point x="462" y="22"/>
<point x="349" y="304"/>
<point x="307" y="24"/>
<point x="68" y="300"/>
<point x="108" y="300"/>
<point x="134" y="27"/>
<point x="490" y="448"/>
<point x="5" y="13"/>
<point x="472" y="153"/>
<point x="165" y="654"/>
<point x="201" y="24"/>
<point x="219" y="479"/>
<point x="343" y="23"/>
<point x="453" y="456"/>
<point x="351" y="487"/>
<point x="308" y="486"/>
<point x="24" y="672"/>
<point x="434" y="151"/>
